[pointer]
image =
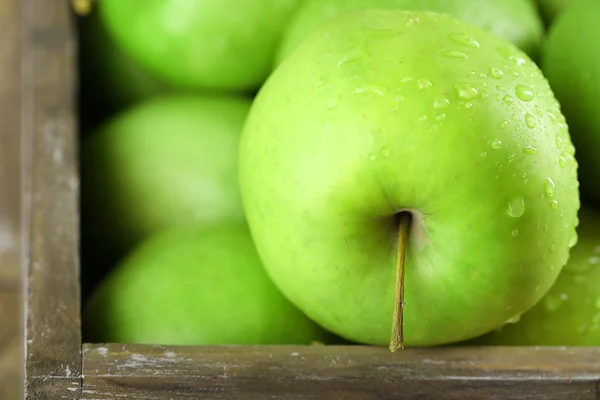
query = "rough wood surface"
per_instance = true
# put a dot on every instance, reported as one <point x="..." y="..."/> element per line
<point x="338" y="372"/>
<point x="53" y="338"/>
<point x="11" y="333"/>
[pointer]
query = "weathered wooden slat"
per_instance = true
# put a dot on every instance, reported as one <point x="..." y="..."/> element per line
<point x="338" y="372"/>
<point x="49" y="132"/>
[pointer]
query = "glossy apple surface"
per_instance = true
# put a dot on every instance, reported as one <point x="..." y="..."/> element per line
<point x="569" y="315"/>
<point x="196" y="287"/>
<point x="214" y="44"/>
<point x="380" y="112"/>
<point x="516" y="21"/>
<point x="571" y="63"/>
<point x="165" y="162"/>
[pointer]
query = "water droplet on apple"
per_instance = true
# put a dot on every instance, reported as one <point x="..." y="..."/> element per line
<point x="440" y="103"/>
<point x="549" y="187"/>
<point x="465" y="40"/>
<point x="483" y="155"/>
<point x="514" y="73"/>
<point x="496" y="144"/>
<point x="332" y="103"/>
<point x="466" y="91"/>
<point x="424" y="83"/>
<point x="371" y="157"/>
<point x="504" y="124"/>
<point x="468" y="104"/>
<point x="516" y="207"/>
<point x="562" y="162"/>
<point x="552" y="302"/>
<point x="573" y="239"/>
<point x="530" y="150"/>
<point x="441" y="117"/>
<point x="369" y="88"/>
<point x="518" y="60"/>
<point x="496" y="73"/>
<point x="508" y="99"/>
<point x="524" y="93"/>
<point x="355" y="54"/>
<point x="514" y="319"/>
<point x="455" y="54"/>
<point x="385" y="152"/>
<point x="559" y="142"/>
<point x="539" y="111"/>
<point x="530" y="121"/>
<point x="554" y="205"/>
<point x="515" y="232"/>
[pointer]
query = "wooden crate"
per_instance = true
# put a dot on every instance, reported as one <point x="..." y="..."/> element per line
<point x="60" y="366"/>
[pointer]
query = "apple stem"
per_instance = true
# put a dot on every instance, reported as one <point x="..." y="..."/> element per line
<point x="397" y="340"/>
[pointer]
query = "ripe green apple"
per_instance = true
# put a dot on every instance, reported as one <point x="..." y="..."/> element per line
<point x="571" y="63"/>
<point x="569" y="314"/>
<point x="226" y="45"/>
<point x="514" y="20"/>
<point x="190" y="286"/>
<point x="167" y="161"/>
<point x="383" y="113"/>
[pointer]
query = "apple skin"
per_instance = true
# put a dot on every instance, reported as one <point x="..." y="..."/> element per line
<point x="552" y="9"/>
<point x="376" y="113"/>
<point x="165" y="162"/>
<point x="191" y="286"/>
<point x="223" y="45"/>
<point x="516" y="21"/>
<point x="571" y="63"/>
<point x="569" y="314"/>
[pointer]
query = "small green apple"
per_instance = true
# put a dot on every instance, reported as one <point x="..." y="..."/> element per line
<point x="571" y="63"/>
<point x="213" y="44"/>
<point x="191" y="286"/>
<point x="384" y="113"/>
<point x="168" y="161"/>
<point x="569" y="315"/>
<point x="514" y="20"/>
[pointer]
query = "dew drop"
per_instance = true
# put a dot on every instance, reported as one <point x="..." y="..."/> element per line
<point x="508" y="99"/>
<point x="455" y="54"/>
<point x="385" y="152"/>
<point x="496" y="144"/>
<point x="516" y="207"/>
<point x="514" y="319"/>
<point x="554" y="205"/>
<point x="573" y="239"/>
<point x="524" y="93"/>
<point x="562" y="162"/>
<point x="530" y="121"/>
<point x="466" y="92"/>
<point x="332" y="103"/>
<point x="518" y="60"/>
<point x="464" y="40"/>
<point x="549" y="187"/>
<point x="559" y="142"/>
<point x="424" y="83"/>
<point x="483" y="155"/>
<point x="515" y="232"/>
<point x="441" y="117"/>
<point x="496" y="73"/>
<point x="441" y="103"/>
<point x="539" y="111"/>
<point x="530" y="150"/>
<point x="504" y="124"/>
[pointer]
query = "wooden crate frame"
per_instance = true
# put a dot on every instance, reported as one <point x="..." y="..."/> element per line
<point x="60" y="366"/>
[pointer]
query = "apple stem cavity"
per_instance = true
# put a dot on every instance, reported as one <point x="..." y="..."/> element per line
<point x="397" y="340"/>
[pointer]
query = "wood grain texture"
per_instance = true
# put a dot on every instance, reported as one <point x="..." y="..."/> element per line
<point x="53" y="333"/>
<point x="338" y="372"/>
<point x="11" y="332"/>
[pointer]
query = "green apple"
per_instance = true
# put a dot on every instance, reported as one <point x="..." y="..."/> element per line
<point x="514" y="20"/>
<point x="168" y="161"/>
<point x="111" y="80"/>
<point x="569" y="315"/>
<point x="190" y="286"/>
<point x="214" y="44"/>
<point x="386" y="113"/>
<point x="571" y="63"/>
